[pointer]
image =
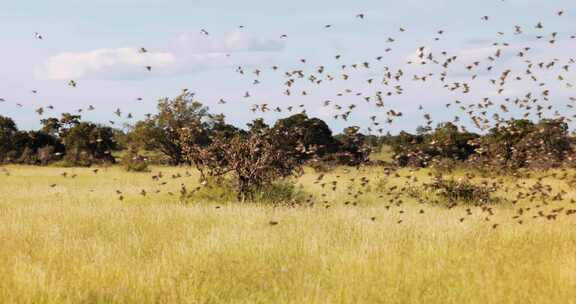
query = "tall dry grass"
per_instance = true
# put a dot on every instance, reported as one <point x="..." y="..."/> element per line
<point x="77" y="242"/>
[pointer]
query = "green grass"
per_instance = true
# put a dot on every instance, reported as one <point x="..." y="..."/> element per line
<point x="77" y="242"/>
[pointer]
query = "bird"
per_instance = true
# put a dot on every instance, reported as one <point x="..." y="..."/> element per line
<point x="38" y="36"/>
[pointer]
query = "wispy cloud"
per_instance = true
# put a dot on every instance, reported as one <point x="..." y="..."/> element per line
<point x="71" y="65"/>
<point x="237" y="41"/>
<point x="191" y="52"/>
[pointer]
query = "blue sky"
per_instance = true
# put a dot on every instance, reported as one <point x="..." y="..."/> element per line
<point x="95" y="43"/>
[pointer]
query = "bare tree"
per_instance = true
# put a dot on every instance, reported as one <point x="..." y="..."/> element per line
<point x="252" y="160"/>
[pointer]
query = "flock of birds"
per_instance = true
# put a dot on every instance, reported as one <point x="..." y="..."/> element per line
<point x="456" y="75"/>
<point x="534" y="197"/>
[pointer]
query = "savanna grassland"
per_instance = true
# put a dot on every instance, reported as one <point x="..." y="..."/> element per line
<point x="70" y="239"/>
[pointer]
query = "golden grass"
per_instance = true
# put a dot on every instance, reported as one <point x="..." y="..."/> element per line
<point x="77" y="243"/>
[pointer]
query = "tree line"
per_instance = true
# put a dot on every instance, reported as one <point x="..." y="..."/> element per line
<point x="511" y="144"/>
<point x="70" y="141"/>
<point x="184" y="129"/>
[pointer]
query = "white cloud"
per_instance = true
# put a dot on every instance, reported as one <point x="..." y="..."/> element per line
<point x="236" y="41"/>
<point x="77" y="65"/>
<point x="191" y="52"/>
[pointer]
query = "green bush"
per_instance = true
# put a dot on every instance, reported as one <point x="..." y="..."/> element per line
<point x="133" y="162"/>
<point x="451" y="192"/>
<point x="445" y="165"/>
<point x="213" y="190"/>
<point x="446" y="142"/>
<point x="223" y="191"/>
<point x="280" y="192"/>
<point x="520" y="143"/>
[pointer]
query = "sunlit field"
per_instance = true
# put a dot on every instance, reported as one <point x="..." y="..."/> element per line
<point x="70" y="239"/>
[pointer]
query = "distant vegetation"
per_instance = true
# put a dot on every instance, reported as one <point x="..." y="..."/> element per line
<point x="184" y="132"/>
<point x="517" y="143"/>
<point x="74" y="142"/>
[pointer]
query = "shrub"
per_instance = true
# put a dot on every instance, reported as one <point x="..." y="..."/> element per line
<point x="461" y="191"/>
<point x="445" y="142"/>
<point x="253" y="161"/>
<point x="133" y="162"/>
<point x="444" y="165"/>
<point x="281" y="192"/>
<point x="212" y="190"/>
<point x="353" y="151"/>
<point x="36" y="148"/>
<point x="221" y="190"/>
<point x="521" y="143"/>
<point x="88" y="143"/>
<point x="451" y="192"/>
